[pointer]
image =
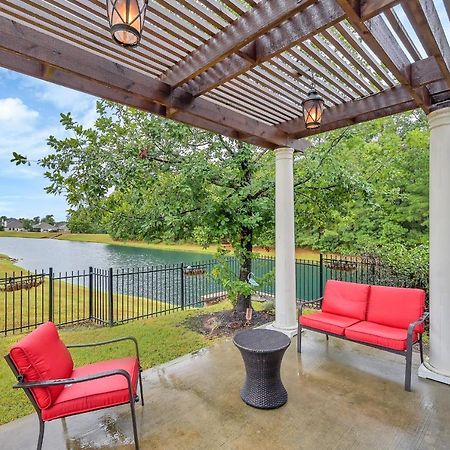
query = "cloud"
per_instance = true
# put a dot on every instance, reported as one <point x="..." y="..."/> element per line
<point x="13" y="111"/>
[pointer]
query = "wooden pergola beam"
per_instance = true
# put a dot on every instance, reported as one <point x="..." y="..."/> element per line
<point x="38" y="54"/>
<point x="295" y="30"/>
<point x="263" y="17"/>
<point x="383" y="43"/>
<point x="429" y="28"/>
<point x="423" y="73"/>
<point x="371" y="8"/>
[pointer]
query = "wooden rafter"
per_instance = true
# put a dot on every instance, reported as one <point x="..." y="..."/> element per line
<point x="383" y="43"/>
<point x="422" y="72"/>
<point x="37" y="54"/>
<point x="299" y="28"/>
<point x="254" y="23"/>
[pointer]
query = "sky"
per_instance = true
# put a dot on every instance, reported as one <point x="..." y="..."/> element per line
<point x="29" y="114"/>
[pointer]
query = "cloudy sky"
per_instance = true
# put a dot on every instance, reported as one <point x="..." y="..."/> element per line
<point x="29" y="113"/>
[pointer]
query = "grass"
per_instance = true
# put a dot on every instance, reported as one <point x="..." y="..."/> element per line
<point x="161" y="339"/>
<point x="300" y="253"/>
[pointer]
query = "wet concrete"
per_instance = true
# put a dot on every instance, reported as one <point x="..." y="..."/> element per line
<point x="341" y="396"/>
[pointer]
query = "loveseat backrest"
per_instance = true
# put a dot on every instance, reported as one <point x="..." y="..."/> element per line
<point x="42" y="356"/>
<point x="346" y="299"/>
<point x="396" y="307"/>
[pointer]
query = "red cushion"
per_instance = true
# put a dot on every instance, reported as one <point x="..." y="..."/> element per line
<point x="396" y="307"/>
<point x="42" y="356"/>
<point x="327" y="322"/>
<point x="90" y="395"/>
<point x="346" y="299"/>
<point x="374" y="333"/>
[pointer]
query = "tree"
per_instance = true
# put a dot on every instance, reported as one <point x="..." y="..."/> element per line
<point x="49" y="219"/>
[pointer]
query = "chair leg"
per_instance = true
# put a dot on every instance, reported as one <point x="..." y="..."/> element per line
<point x="140" y="386"/>
<point x="421" y="348"/>
<point x="133" y="418"/>
<point x="41" y="433"/>
<point x="328" y="337"/>
<point x="408" y="368"/>
<point x="299" y="339"/>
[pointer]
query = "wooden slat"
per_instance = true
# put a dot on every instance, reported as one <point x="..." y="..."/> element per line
<point x="424" y="17"/>
<point x="359" y="83"/>
<point x="263" y="17"/>
<point x="382" y="42"/>
<point x="299" y="28"/>
<point x="65" y="64"/>
<point x="403" y="35"/>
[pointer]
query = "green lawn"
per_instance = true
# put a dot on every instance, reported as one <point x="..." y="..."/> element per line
<point x="161" y="339"/>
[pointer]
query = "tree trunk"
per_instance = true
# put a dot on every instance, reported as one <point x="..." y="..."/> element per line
<point x="245" y="301"/>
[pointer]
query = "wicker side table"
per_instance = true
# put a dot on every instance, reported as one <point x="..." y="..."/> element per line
<point x="262" y="352"/>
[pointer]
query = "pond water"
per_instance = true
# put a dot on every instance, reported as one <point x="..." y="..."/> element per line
<point x="65" y="256"/>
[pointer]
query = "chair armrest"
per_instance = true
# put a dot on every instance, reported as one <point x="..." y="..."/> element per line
<point x="111" y="341"/>
<point x="302" y="303"/>
<point x="57" y="382"/>
<point x="413" y="325"/>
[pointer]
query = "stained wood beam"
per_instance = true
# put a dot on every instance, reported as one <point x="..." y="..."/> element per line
<point x="259" y="20"/>
<point x="425" y="18"/>
<point x="371" y="8"/>
<point x="39" y="54"/>
<point x="398" y="98"/>
<point x="383" y="43"/>
<point x="300" y="27"/>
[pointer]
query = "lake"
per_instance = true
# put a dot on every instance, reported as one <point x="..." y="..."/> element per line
<point x="65" y="256"/>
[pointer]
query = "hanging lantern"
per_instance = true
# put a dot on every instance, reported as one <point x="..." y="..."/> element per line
<point x="126" y="20"/>
<point x="313" y="107"/>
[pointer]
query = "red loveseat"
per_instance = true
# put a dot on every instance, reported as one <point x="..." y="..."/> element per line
<point x="388" y="318"/>
<point x="44" y="369"/>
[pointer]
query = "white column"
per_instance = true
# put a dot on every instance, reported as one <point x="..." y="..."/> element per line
<point x="438" y="365"/>
<point x="285" y="308"/>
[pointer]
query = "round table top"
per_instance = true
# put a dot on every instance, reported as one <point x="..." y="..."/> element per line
<point x="261" y="341"/>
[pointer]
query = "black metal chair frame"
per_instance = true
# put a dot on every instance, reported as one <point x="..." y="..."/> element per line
<point x="22" y="384"/>
<point x="406" y="353"/>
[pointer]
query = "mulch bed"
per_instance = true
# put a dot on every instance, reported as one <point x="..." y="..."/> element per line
<point x="226" y="323"/>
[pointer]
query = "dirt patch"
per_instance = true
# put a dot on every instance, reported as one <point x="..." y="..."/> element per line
<point x="226" y="323"/>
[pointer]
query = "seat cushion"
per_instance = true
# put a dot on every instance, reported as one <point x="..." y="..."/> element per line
<point x="327" y="322"/>
<point x="396" y="307"/>
<point x="42" y="356"/>
<point x="382" y="335"/>
<point x="96" y="394"/>
<point x="346" y="299"/>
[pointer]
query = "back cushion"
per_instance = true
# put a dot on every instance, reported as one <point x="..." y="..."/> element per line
<point x="396" y="307"/>
<point x="42" y="356"/>
<point x="346" y="299"/>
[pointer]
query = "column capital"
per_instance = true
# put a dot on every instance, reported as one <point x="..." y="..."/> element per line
<point x="439" y="117"/>
<point x="284" y="152"/>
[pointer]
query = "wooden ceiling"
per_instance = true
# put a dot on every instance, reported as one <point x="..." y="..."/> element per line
<point x="241" y="67"/>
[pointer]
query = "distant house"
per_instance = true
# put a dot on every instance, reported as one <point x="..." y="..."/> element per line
<point x="13" y="225"/>
<point x="61" y="227"/>
<point x="43" y="227"/>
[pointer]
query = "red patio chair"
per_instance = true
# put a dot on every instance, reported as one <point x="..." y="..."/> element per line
<point x="44" y="369"/>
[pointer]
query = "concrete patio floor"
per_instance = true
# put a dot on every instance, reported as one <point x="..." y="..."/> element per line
<point x="341" y="396"/>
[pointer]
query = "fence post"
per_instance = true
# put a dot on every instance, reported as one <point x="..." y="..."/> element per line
<point x="91" y="293"/>
<point x="50" y="294"/>
<point x="321" y="276"/>
<point x="182" y="285"/>
<point x="110" y="297"/>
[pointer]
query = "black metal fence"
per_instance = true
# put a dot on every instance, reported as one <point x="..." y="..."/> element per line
<point x="115" y="296"/>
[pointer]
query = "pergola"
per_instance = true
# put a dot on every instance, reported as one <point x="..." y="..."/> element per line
<point x="242" y="68"/>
